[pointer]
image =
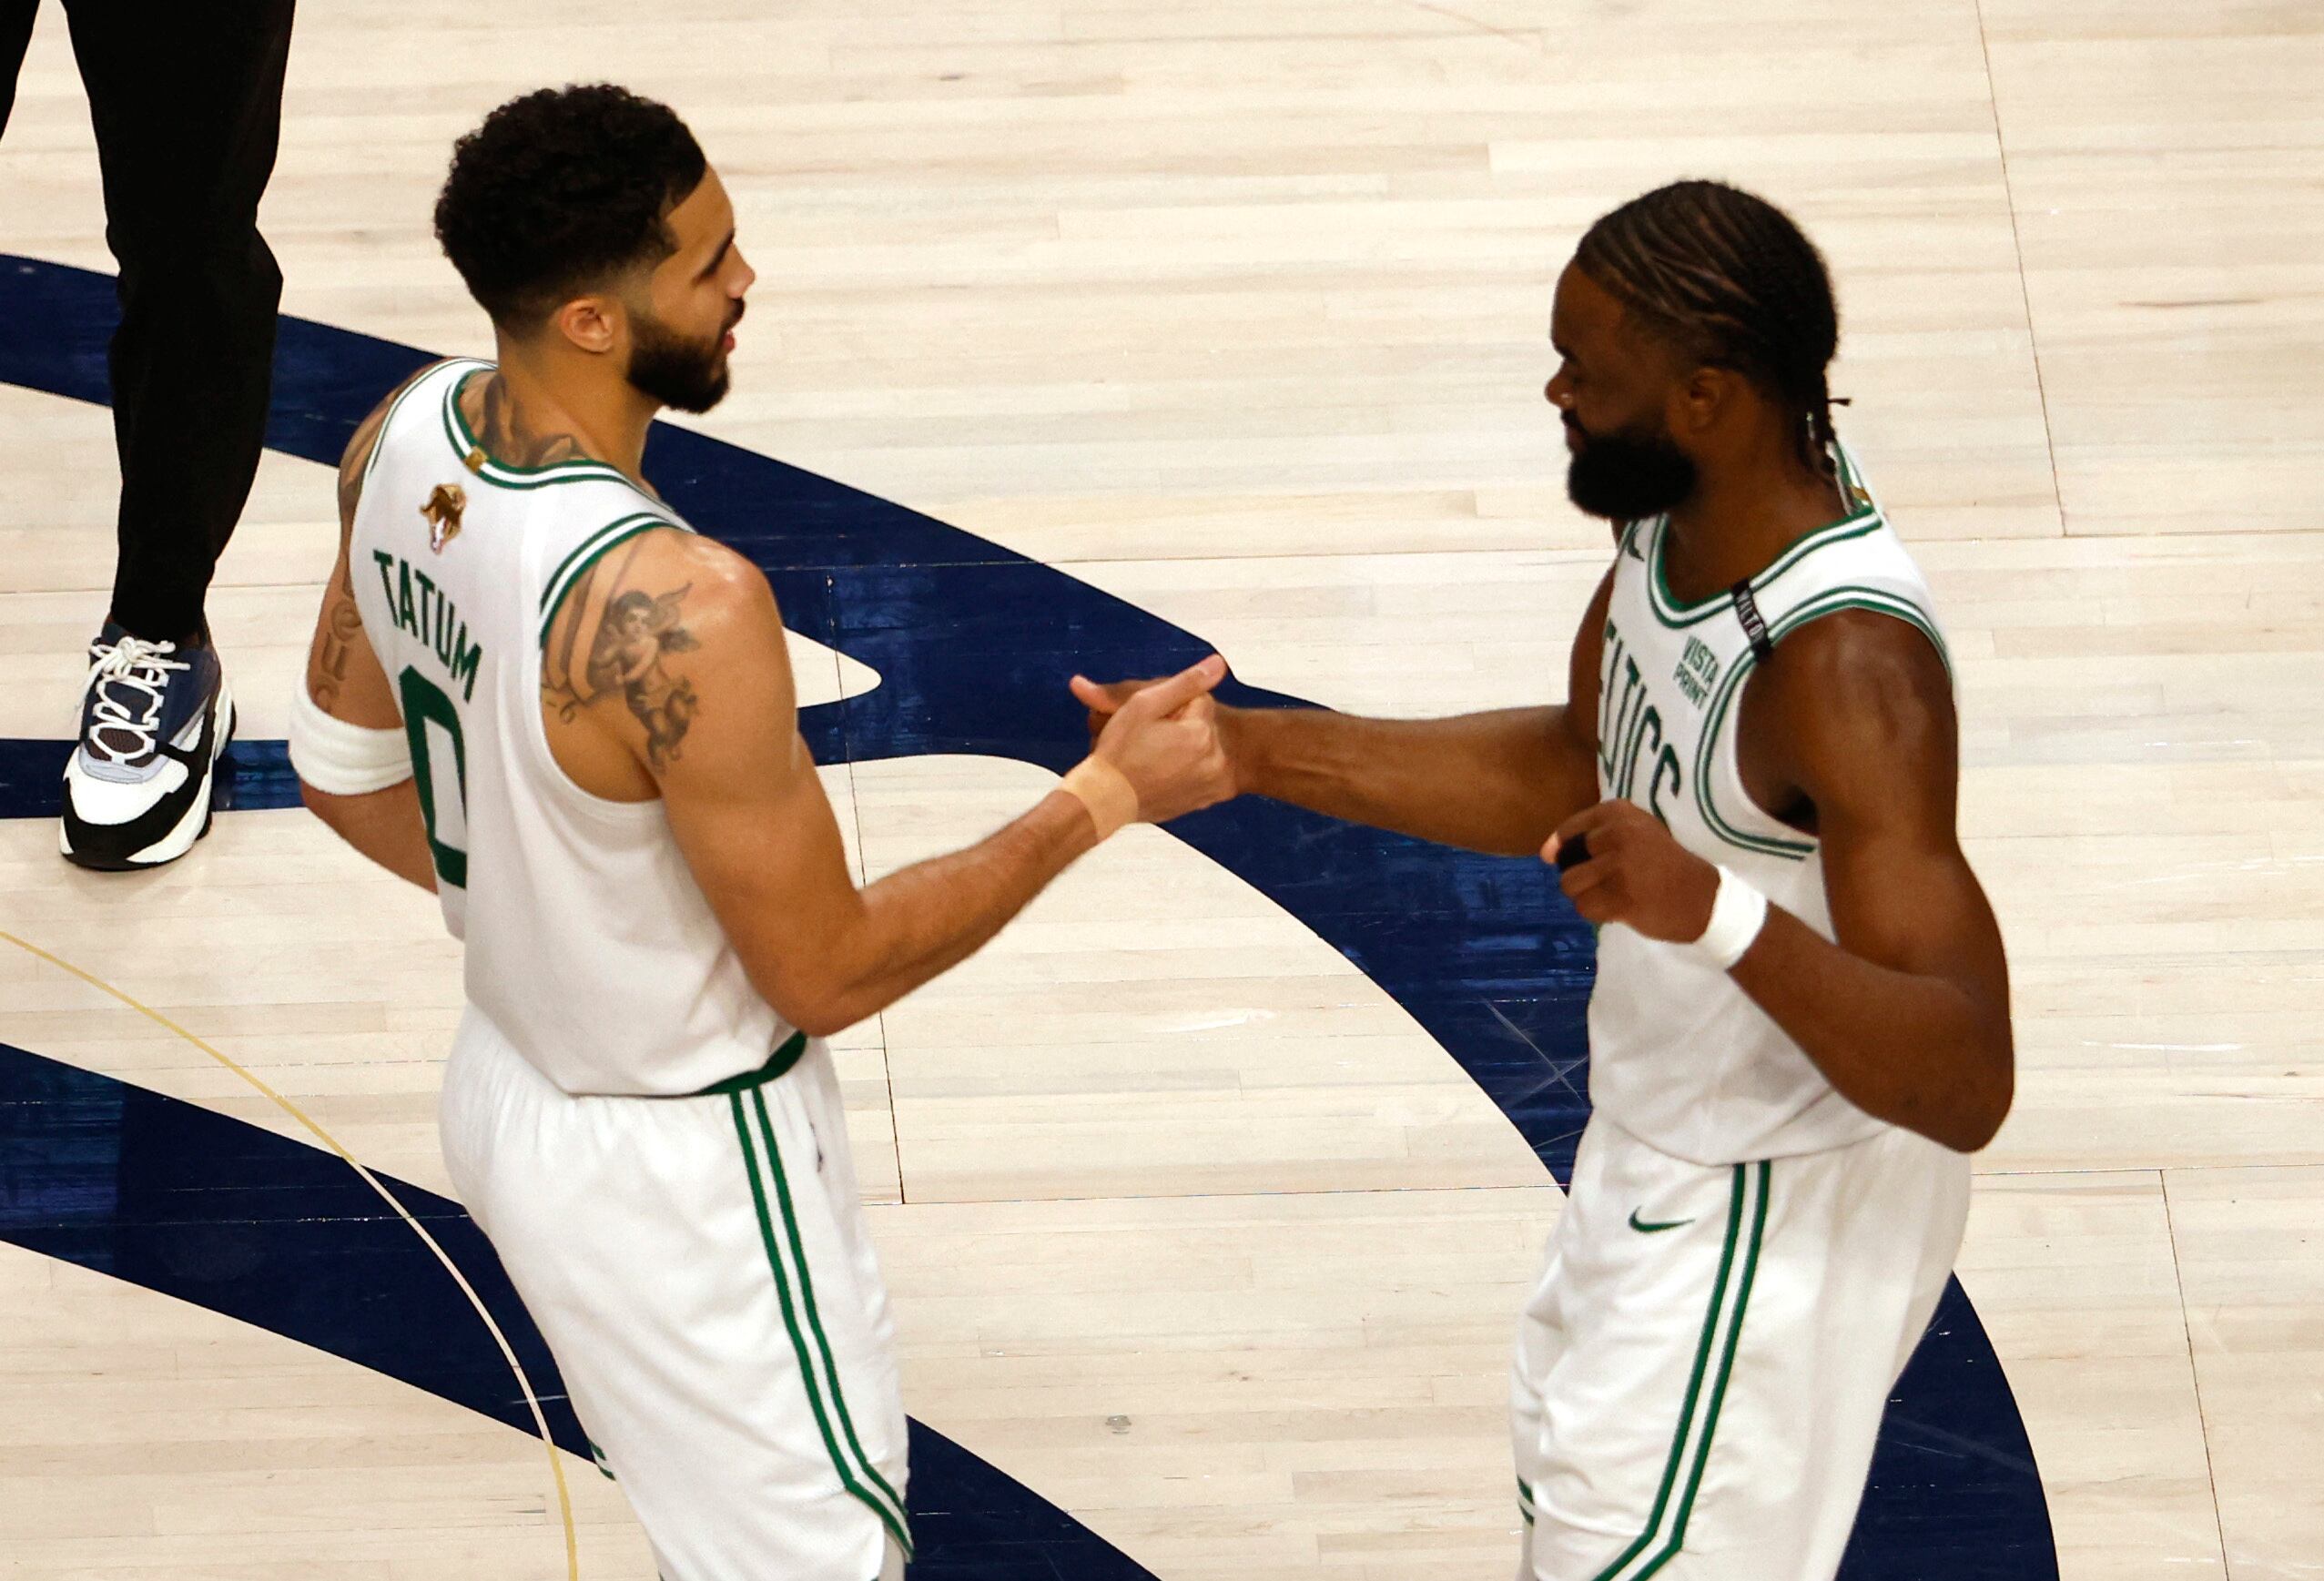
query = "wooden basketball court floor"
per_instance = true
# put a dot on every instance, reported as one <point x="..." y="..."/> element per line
<point x="1237" y="313"/>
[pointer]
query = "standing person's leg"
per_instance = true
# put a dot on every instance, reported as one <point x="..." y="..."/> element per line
<point x="15" y="32"/>
<point x="1701" y="1383"/>
<point x="186" y="105"/>
<point x="698" y="1267"/>
<point x="187" y="102"/>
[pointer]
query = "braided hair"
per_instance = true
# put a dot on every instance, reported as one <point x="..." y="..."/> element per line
<point x="1729" y="279"/>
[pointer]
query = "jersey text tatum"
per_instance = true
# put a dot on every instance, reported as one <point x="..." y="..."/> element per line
<point x="421" y="608"/>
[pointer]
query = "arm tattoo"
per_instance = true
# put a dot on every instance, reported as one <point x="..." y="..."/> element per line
<point x="342" y="625"/>
<point x="560" y="682"/>
<point x="637" y="631"/>
<point x="343" y="631"/>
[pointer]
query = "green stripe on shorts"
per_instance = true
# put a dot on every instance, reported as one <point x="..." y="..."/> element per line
<point x="874" y="1493"/>
<point x="1714" y="1359"/>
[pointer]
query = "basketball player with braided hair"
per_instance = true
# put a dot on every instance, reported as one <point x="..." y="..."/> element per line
<point x="1800" y="1022"/>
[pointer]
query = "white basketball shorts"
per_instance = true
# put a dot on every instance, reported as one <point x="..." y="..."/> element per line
<point x="1701" y="1372"/>
<point x="701" y="1270"/>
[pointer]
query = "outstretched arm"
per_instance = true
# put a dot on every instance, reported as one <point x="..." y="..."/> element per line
<point x="1497" y="782"/>
<point x="1906" y="1009"/>
<point x="748" y="810"/>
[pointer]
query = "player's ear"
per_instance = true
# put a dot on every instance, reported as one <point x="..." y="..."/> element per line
<point x="1702" y="396"/>
<point x="593" y="323"/>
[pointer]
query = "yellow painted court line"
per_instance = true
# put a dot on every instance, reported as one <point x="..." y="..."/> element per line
<point x="532" y="1401"/>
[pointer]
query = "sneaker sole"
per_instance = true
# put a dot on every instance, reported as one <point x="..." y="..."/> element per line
<point x="178" y="839"/>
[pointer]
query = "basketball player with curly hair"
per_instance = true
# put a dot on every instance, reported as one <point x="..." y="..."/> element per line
<point x="534" y="689"/>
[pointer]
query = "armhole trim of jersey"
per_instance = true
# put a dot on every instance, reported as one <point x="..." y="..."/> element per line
<point x="378" y="440"/>
<point x="1878" y="600"/>
<point x="591" y="549"/>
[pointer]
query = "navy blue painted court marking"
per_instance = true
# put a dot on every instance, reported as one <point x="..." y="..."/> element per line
<point x="973" y="644"/>
<point x="224" y="1214"/>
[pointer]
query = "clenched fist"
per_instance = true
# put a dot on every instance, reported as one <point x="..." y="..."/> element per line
<point x="1635" y="873"/>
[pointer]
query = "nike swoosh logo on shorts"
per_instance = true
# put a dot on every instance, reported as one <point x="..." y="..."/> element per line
<point x="1649" y="1227"/>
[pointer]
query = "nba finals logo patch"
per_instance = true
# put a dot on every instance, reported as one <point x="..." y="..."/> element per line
<point x="442" y="512"/>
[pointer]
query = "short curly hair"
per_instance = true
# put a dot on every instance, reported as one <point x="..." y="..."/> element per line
<point x="558" y="190"/>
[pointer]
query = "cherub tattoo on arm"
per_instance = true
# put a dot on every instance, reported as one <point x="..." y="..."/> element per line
<point x="637" y="631"/>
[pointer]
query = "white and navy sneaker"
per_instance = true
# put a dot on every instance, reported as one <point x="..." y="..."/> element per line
<point x="155" y="719"/>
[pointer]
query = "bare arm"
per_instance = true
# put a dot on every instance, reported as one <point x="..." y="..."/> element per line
<point x="344" y="678"/>
<point x="749" y="813"/>
<point x="1906" y="1009"/>
<point x="1907" y="1014"/>
<point x="1498" y="782"/>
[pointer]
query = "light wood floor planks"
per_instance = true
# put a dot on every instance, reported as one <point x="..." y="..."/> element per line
<point x="1239" y="313"/>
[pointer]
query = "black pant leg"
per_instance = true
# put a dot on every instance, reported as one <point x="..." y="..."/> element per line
<point x="186" y="101"/>
<point x="15" y="32"/>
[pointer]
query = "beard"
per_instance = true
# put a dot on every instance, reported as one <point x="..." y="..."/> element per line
<point x="1629" y="474"/>
<point x="682" y="374"/>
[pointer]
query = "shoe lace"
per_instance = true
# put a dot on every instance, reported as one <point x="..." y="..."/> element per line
<point x="131" y="673"/>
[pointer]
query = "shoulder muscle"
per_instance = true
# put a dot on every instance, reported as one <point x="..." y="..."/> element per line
<point x="1859" y="711"/>
<point x="672" y="643"/>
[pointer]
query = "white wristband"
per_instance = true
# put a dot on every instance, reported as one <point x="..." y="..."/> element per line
<point x="1737" y="915"/>
<point x="343" y="759"/>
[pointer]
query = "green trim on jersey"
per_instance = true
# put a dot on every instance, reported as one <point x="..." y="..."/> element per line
<point x="552" y="592"/>
<point x="1745" y="1176"/>
<point x="851" y="1472"/>
<point x="502" y="474"/>
<point x="1830" y="601"/>
<point x="1859" y="521"/>
<point x="587" y="552"/>
<point x="1672" y="613"/>
<point x="378" y="440"/>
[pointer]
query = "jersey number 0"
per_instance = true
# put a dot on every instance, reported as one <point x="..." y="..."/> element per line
<point x="431" y="722"/>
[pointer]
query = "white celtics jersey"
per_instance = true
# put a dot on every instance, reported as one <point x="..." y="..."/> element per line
<point x="589" y="945"/>
<point x="1679" y="1056"/>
